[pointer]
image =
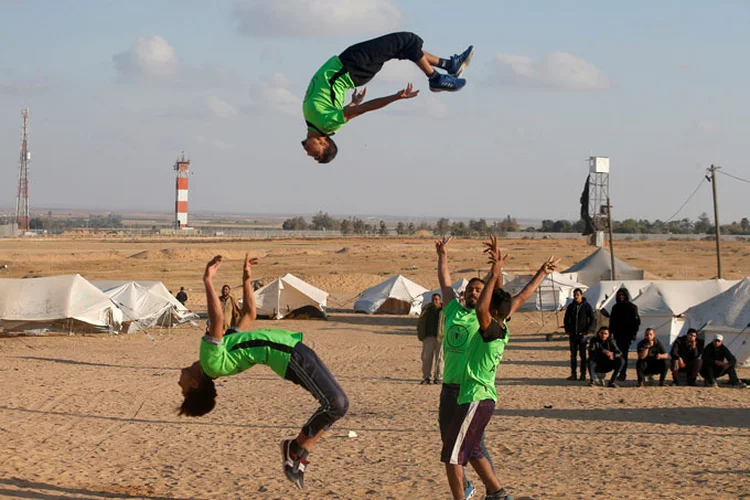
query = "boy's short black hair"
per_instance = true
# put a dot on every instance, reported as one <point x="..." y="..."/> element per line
<point x="330" y="153"/>
<point x="501" y="302"/>
<point x="199" y="400"/>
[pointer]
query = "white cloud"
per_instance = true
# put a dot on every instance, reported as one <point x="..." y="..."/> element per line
<point x="399" y="72"/>
<point x="24" y="86"/>
<point x="219" y="108"/>
<point x="274" y="93"/>
<point x="150" y="59"/>
<point x="313" y="18"/>
<point x="555" y="70"/>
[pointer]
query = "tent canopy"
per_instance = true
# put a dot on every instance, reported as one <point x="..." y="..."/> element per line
<point x="458" y="287"/>
<point x="286" y="295"/>
<point x="396" y="295"/>
<point x="554" y="292"/>
<point x="64" y="303"/>
<point x="598" y="266"/>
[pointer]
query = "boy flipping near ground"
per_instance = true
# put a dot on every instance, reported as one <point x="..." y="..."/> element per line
<point x="477" y="395"/>
<point x="224" y="353"/>
<point x="323" y="105"/>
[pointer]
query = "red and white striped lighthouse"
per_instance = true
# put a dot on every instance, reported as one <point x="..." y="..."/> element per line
<point x="182" y="171"/>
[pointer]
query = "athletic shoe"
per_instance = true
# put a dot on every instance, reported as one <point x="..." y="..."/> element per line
<point x="582" y="378"/>
<point x="613" y="385"/>
<point x="446" y="83"/>
<point x="437" y="381"/>
<point x="425" y="381"/>
<point x="469" y="491"/>
<point x="294" y="466"/>
<point x="740" y="385"/>
<point x="499" y="495"/>
<point x="459" y="62"/>
<point x="572" y="377"/>
<point x="711" y="384"/>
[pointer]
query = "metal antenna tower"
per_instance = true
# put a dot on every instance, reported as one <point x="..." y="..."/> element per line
<point x="599" y="196"/>
<point x="22" y="199"/>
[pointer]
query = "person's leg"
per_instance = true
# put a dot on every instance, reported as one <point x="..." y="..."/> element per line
<point x="623" y="343"/>
<point x="618" y="364"/>
<point x="592" y="370"/>
<point x="694" y="368"/>
<point x="708" y="372"/>
<point x="485" y="453"/>
<point x="438" y="362"/>
<point x="675" y="368"/>
<point x="427" y="351"/>
<point x="486" y="473"/>
<point x="455" y="474"/>
<point x="640" y="369"/>
<point x="364" y="60"/>
<point x="661" y="369"/>
<point x="573" y="347"/>
<point x="446" y="413"/>
<point x="582" y="348"/>
<point x="732" y="371"/>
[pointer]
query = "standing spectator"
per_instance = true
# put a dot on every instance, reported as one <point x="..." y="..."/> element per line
<point x="717" y="362"/>
<point x="604" y="357"/>
<point x="230" y="308"/>
<point x="652" y="358"/>
<point x="182" y="296"/>
<point x="432" y="345"/>
<point x="624" y="323"/>
<point x="686" y="357"/>
<point x="579" y="323"/>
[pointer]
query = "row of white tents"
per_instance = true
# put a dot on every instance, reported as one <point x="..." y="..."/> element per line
<point x="71" y="303"/>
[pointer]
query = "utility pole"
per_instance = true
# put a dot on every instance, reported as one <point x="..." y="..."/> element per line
<point x="22" y="198"/>
<point x="713" y="170"/>
<point x="611" y="247"/>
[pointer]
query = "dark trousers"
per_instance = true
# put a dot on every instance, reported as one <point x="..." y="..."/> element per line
<point x="605" y="365"/>
<point x="447" y="412"/>
<point x="692" y="368"/>
<point x="652" y="366"/>
<point x="623" y="343"/>
<point x="307" y="370"/>
<point x="577" y="344"/>
<point x="710" y="372"/>
<point x="363" y="60"/>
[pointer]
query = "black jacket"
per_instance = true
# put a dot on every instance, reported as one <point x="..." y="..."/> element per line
<point x="653" y="351"/>
<point x="680" y="349"/>
<point x="597" y="346"/>
<point x="624" y="321"/>
<point x="711" y="353"/>
<point x="579" y="318"/>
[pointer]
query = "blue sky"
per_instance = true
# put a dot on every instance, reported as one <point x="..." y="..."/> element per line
<point x="117" y="90"/>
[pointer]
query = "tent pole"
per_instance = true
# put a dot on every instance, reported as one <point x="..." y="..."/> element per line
<point x="611" y="247"/>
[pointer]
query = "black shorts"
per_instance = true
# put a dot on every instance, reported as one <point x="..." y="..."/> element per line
<point x="363" y="60"/>
<point x="462" y="442"/>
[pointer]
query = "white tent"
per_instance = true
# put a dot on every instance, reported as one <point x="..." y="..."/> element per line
<point x="728" y="314"/>
<point x="598" y="266"/>
<point x="62" y="303"/>
<point x="661" y="304"/>
<point x="396" y="295"/>
<point x="553" y="293"/>
<point x="145" y="304"/>
<point x="288" y="294"/>
<point x="458" y="287"/>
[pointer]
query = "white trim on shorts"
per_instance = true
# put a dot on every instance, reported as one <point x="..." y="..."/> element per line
<point x="462" y="432"/>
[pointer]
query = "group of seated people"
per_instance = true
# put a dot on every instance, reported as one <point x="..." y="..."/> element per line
<point x="687" y="355"/>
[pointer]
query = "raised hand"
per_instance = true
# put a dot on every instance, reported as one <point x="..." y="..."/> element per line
<point x="212" y="267"/>
<point x="358" y="97"/>
<point x="496" y="258"/>
<point x="249" y="263"/>
<point x="440" y="246"/>
<point x="550" y="265"/>
<point x="408" y="92"/>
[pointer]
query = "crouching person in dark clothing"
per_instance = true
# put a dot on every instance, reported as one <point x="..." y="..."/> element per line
<point x="717" y="362"/>
<point x="604" y="357"/>
<point x="686" y="357"/>
<point x="652" y="358"/>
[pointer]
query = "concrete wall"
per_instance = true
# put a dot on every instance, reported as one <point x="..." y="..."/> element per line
<point x="8" y="230"/>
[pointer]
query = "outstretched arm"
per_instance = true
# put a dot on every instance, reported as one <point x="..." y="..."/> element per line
<point x="444" y="276"/>
<point x="357" y="107"/>
<point x="496" y="273"/>
<point x="547" y="268"/>
<point x="215" y="312"/>
<point x="248" y="313"/>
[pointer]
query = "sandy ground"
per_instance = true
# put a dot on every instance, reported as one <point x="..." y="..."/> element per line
<point x="94" y="416"/>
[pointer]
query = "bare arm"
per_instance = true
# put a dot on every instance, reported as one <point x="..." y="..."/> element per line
<point x="444" y="275"/>
<point x="248" y="313"/>
<point x="357" y="107"/>
<point x="215" y="312"/>
<point x="496" y="273"/>
<point x="548" y="267"/>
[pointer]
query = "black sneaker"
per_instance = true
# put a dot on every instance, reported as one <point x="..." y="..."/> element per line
<point x="437" y="381"/>
<point x="572" y="377"/>
<point x="613" y="385"/>
<point x="499" y="495"/>
<point x="425" y="381"/>
<point x="294" y="466"/>
<point x="582" y="378"/>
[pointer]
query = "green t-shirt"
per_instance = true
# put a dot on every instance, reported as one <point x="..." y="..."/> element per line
<point x="461" y="325"/>
<point x="238" y="351"/>
<point x="323" y="105"/>
<point x="484" y="354"/>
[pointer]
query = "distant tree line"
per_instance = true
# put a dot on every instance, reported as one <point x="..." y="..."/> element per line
<point x="480" y="227"/>
<point x="111" y="221"/>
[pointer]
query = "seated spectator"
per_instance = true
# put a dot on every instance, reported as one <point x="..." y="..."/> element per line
<point x="717" y="362"/>
<point x="604" y="357"/>
<point x="652" y="358"/>
<point x="686" y="357"/>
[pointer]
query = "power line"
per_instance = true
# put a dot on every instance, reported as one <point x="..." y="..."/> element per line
<point x="703" y="179"/>
<point x="733" y="176"/>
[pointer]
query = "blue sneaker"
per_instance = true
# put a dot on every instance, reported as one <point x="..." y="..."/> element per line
<point x="460" y="62"/>
<point x="469" y="491"/>
<point x="499" y="495"/>
<point x="446" y="83"/>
